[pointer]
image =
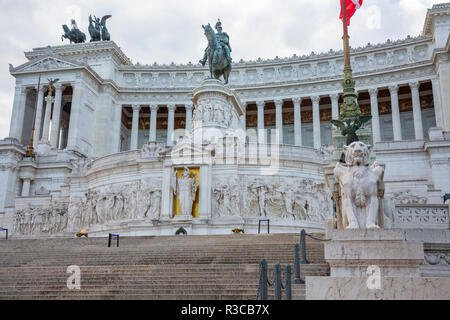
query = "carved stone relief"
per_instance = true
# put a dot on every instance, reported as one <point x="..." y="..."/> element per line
<point x="41" y="221"/>
<point x="139" y="200"/>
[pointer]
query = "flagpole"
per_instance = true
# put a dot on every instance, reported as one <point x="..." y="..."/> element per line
<point x="349" y="109"/>
<point x="346" y="37"/>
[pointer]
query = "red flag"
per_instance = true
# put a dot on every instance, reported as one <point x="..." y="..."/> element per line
<point x="352" y="6"/>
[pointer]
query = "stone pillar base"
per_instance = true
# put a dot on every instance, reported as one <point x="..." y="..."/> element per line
<point x="375" y="264"/>
<point x="352" y="251"/>
<point x="398" y="288"/>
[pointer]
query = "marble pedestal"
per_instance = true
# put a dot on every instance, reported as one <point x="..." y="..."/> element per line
<point x="352" y="252"/>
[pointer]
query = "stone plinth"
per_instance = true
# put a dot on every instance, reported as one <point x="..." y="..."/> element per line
<point x="217" y="111"/>
<point x="394" y="274"/>
<point x="352" y="251"/>
<point x="397" y="288"/>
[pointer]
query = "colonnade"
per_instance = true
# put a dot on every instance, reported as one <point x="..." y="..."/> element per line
<point x="53" y="136"/>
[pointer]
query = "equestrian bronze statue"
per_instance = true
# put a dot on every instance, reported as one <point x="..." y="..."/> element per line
<point x="74" y="35"/>
<point x="218" y="52"/>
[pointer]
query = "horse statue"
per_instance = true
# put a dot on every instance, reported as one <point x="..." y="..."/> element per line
<point x="105" y="34"/>
<point x="215" y="54"/>
<point x="94" y="29"/>
<point x="75" y="35"/>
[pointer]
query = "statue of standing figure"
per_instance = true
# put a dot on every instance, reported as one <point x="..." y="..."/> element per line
<point x="186" y="188"/>
<point x="98" y="30"/>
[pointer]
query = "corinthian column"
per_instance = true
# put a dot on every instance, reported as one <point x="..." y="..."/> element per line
<point x="279" y="120"/>
<point x="297" y="121"/>
<point x="334" y="106"/>
<point x="261" y="133"/>
<point x="56" y="118"/>
<point x="37" y="123"/>
<point x="48" y="110"/>
<point x="316" y="122"/>
<point x="153" y="122"/>
<point x="18" y="113"/>
<point x="396" y="125"/>
<point x="135" y="127"/>
<point x="437" y="102"/>
<point x="375" y="115"/>
<point x="189" y="107"/>
<point x="171" y="124"/>
<point x="417" y="111"/>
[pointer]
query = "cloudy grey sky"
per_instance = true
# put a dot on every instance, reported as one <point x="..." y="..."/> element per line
<point x="170" y="30"/>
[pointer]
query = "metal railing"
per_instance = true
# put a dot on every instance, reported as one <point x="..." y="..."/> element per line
<point x="303" y="235"/>
<point x="268" y="225"/>
<point x="111" y="235"/>
<point x="4" y="229"/>
<point x="276" y="283"/>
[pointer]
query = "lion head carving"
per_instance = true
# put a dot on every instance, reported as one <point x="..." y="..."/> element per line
<point x="357" y="154"/>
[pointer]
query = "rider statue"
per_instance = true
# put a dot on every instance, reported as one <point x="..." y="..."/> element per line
<point x="224" y="40"/>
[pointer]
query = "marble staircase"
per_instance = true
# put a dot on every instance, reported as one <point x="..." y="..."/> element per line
<point x="182" y="268"/>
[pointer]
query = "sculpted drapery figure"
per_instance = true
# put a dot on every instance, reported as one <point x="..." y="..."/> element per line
<point x="186" y="188"/>
<point x="217" y="52"/>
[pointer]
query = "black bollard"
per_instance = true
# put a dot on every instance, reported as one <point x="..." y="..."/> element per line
<point x="303" y="243"/>
<point x="277" y="281"/>
<point x="263" y="279"/>
<point x="297" y="279"/>
<point x="288" y="283"/>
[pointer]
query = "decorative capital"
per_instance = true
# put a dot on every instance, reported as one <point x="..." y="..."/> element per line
<point x="334" y="96"/>
<point x="60" y="87"/>
<point x="414" y="85"/>
<point x="154" y="107"/>
<point x="260" y="103"/>
<point x="136" y="107"/>
<point x="171" y="107"/>
<point x="393" y="88"/>
<point x="189" y="106"/>
<point x="49" y="99"/>
<point x="297" y="100"/>
<point x="315" y="99"/>
<point x="278" y="103"/>
<point x="20" y="89"/>
<point x="373" y="92"/>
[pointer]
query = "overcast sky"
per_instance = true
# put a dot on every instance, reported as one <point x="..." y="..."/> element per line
<point x="171" y="30"/>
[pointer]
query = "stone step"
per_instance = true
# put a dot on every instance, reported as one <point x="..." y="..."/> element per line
<point x="152" y="268"/>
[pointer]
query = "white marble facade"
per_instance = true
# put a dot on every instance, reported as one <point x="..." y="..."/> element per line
<point x="111" y="174"/>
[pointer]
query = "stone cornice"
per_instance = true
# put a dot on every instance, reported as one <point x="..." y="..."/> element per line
<point x="369" y="48"/>
<point x="441" y="9"/>
<point x="83" y="49"/>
